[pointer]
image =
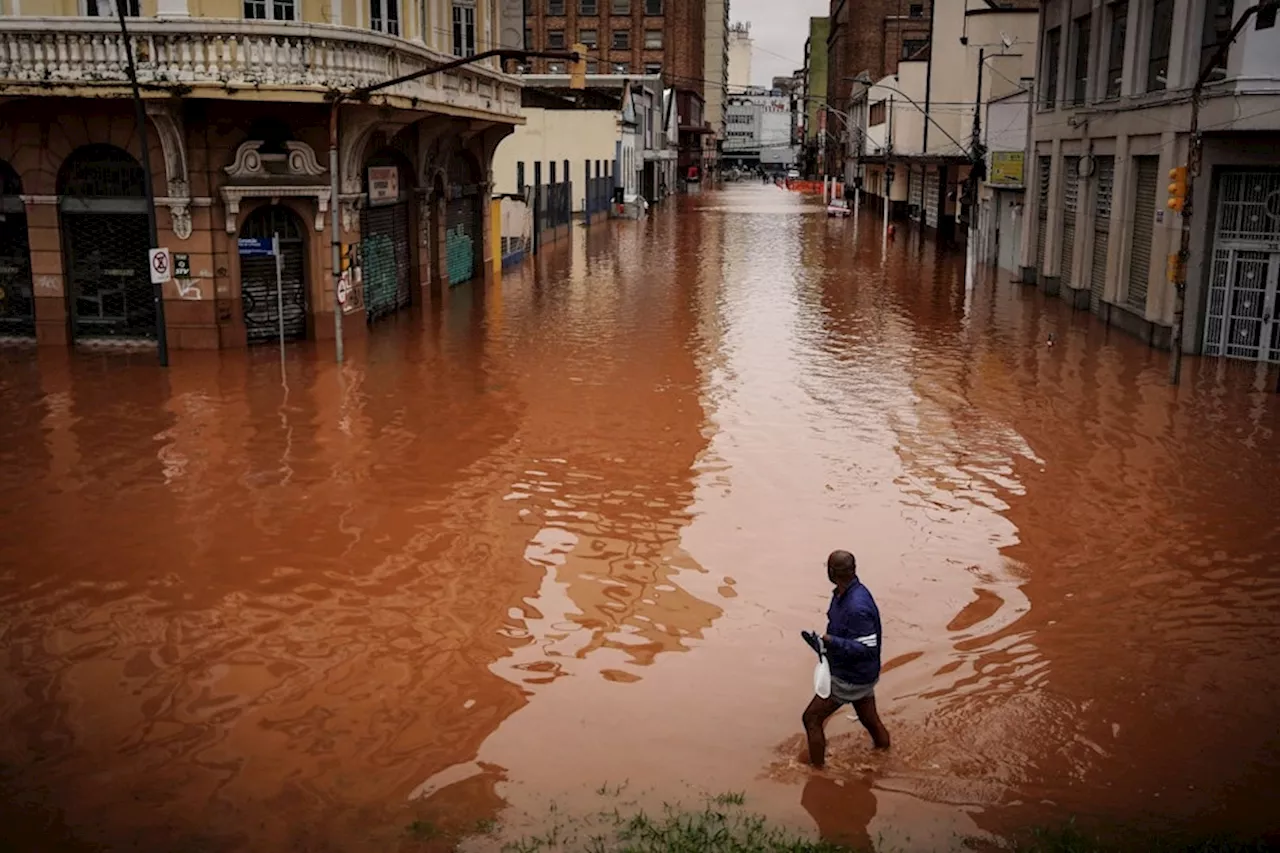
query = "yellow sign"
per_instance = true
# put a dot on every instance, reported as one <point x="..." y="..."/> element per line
<point x="1006" y="169"/>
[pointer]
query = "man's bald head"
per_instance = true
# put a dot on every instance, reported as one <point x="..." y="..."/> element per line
<point x="842" y="568"/>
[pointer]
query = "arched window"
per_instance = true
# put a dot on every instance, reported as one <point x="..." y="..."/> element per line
<point x="101" y="171"/>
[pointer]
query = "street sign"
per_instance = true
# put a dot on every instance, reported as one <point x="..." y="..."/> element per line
<point x="384" y="185"/>
<point x="344" y="288"/>
<point x="161" y="265"/>
<point x="256" y="247"/>
<point x="182" y="266"/>
<point x="1007" y="169"/>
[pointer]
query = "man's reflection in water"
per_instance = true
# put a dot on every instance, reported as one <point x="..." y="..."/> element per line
<point x="842" y="808"/>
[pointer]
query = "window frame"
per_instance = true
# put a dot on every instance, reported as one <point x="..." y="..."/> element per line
<point x="661" y="43"/>
<point x="1209" y="27"/>
<point x="552" y="6"/>
<point x="95" y="8"/>
<point x="649" y="6"/>
<point x="594" y="10"/>
<point x="556" y="40"/>
<point x="1081" y="36"/>
<point x="459" y="28"/>
<point x="1113" y="85"/>
<point x="384" y="21"/>
<point x="1151" y="82"/>
<point x="620" y="7"/>
<point x="652" y="68"/>
<point x="594" y="43"/>
<point x="620" y="44"/>
<point x="1052" y="68"/>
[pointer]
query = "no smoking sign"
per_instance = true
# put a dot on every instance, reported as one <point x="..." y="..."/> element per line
<point x="160" y="263"/>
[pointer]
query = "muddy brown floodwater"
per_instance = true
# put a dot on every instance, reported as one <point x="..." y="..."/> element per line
<point x="563" y="535"/>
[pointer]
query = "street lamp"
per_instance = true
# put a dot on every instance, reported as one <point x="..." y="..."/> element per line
<point x="865" y="79"/>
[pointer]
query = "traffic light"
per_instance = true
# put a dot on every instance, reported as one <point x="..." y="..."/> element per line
<point x="578" y="67"/>
<point x="1177" y="189"/>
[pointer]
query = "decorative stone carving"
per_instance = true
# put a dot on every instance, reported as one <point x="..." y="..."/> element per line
<point x="168" y="124"/>
<point x="180" y="218"/>
<point x="251" y="162"/>
<point x="232" y="196"/>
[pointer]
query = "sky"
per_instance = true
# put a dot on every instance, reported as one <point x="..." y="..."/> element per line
<point x="778" y="30"/>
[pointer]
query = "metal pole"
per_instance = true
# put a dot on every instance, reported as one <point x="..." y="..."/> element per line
<point x="335" y="207"/>
<point x="140" y="117"/>
<point x="975" y="148"/>
<point x="275" y="253"/>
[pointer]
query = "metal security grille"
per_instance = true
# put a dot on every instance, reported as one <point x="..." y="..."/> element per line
<point x="1104" y="191"/>
<point x="1144" y="214"/>
<point x="1241" y="319"/>
<point x="258" y="294"/>
<point x="931" y="199"/>
<point x="462" y="233"/>
<point x="1042" y="209"/>
<point x="17" y="305"/>
<point x="915" y="190"/>
<point x="385" y="259"/>
<point x="1070" y="203"/>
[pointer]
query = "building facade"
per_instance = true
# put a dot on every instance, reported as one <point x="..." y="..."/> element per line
<point x="1111" y="120"/>
<point x="739" y="57"/>
<point x="760" y="129"/>
<point x="238" y="128"/>
<point x="871" y="37"/>
<point x="716" y="70"/>
<point x="814" y="96"/>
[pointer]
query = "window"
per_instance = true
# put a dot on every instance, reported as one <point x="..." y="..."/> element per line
<point x="464" y="28"/>
<point x="593" y="66"/>
<point x="622" y="39"/>
<point x="1217" y="26"/>
<point x="620" y="68"/>
<point x="910" y="47"/>
<point x="916" y="10"/>
<point x="876" y="114"/>
<point x="555" y="67"/>
<point x="555" y="7"/>
<point x="1161" y="35"/>
<point x="653" y="68"/>
<point x="1266" y="18"/>
<point x="107" y="9"/>
<point x="653" y="39"/>
<point x="653" y="7"/>
<point x="1115" y="49"/>
<point x="588" y="38"/>
<point x="621" y="7"/>
<point x="1080" y="72"/>
<point x="384" y="16"/>
<point x="588" y="7"/>
<point x="520" y="176"/>
<point x="1052" y="47"/>
<point x="528" y="38"/>
<point x="555" y="39"/>
<point x="261" y="10"/>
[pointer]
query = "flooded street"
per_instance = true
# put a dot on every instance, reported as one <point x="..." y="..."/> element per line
<point x="563" y="535"/>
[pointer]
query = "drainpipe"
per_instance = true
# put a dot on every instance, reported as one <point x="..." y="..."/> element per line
<point x="335" y="185"/>
<point x="928" y="81"/>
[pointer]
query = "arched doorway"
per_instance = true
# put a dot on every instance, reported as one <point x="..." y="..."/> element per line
<point x="103" y="214"/>
<point x="386" y="231"/>
<point x="464" y="219"/>
<point x="259" y="297"/>
<point x="17" y="301"/>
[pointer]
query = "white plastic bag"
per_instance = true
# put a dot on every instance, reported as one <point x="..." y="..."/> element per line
<point x="822" y="676"/>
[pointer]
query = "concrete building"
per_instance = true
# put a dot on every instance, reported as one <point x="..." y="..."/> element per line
<point x="814" y="96"/>
<point x="739" y="57"/>
<point x="761" y="125"/>
<point x="870" y="36"/>
<point x="1110" y="121"/>
<point x="922" y="164"/>
<point x="716" y="71"/>
<point x="635" y="37"/>
<point x="1002" y="194"/>
<point x="238" y="128"/>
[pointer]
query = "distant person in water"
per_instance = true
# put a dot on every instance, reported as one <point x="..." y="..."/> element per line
<point x="853" y="649"/>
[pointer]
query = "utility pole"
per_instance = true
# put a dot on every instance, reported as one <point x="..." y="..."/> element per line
<point x="1180" y="200"/>
<point x="977" y="154"/>
<point x="140" y="117"/>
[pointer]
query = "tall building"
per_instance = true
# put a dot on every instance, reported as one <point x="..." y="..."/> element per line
<point x="870" y="36"/>
<point x="716" y="67"/>
<point x="814" y="94"/>
<point x="237" y="124"/>
<point x="739" y="57"/>
<point x="634" y="37"/>
<point x="1109" y="124"/>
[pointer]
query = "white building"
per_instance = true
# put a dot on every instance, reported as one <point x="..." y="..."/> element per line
<point x="715" y="71"/>
<point x="1112" y="118"/>
<point x="739" y="58"/>
<point x="759" y="128"/>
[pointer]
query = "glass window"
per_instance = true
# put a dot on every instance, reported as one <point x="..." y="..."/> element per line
<point x="588" y="38"/>
<point x="1161" y="35"/>
<point x="1217" y="26"/>
<point x="1080" y="71"/>
<point x="555" y="7"/>
<point x="620" y="68"/>
<point x="464" y="28"/>
<point x="621" y="39"/>
<point x="653" y="39"/>
<point x="916" y="10"/>
<point x="653" y="68"/>
<point x="1052" y="47"/>
<point x="653" y="7"/>
<point x="528" y="38"/>
<point x="621" y="7"/>
<point x="910" y="47"/>
<point x="1115" y="49"/>
<point x="588" y="7"/>
<point x="107" y="9"/>
<point x="555" y="39"/>
<point x="593" y="66"/>
<point x="384" y="16"/>
<point x="555" y="67"/>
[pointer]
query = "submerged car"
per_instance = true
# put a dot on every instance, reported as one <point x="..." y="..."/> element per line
<point x="838" y="207"/>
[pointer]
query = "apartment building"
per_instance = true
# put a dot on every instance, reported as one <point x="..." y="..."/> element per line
<point x="740" y="47"/>
<point x="715" y="74"/>
<point x="238" y="129"/>
<point x="634" y="37"/>
<point x="1112" y="117"/>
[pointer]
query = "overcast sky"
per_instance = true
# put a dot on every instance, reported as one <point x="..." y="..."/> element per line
<point x="778" y="30"/>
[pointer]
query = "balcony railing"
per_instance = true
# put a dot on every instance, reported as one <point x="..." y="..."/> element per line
<point x="85" y="53"/>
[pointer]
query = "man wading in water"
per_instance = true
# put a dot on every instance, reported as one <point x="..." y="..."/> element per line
<point x="853" y="649"/>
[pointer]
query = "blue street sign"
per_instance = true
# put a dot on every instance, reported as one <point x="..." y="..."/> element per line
<point x="251" y="247"/>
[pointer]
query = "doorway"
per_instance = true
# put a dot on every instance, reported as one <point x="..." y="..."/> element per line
<point x="258" y="295"/>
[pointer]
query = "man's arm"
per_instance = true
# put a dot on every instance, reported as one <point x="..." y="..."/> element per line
<point x="855" y="649"/>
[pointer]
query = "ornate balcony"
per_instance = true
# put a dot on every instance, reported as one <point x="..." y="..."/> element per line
<point x="210" y="58"/>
